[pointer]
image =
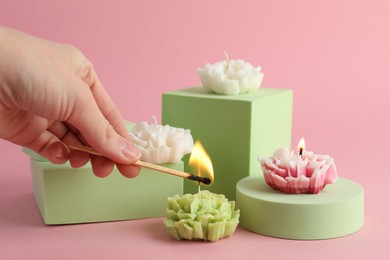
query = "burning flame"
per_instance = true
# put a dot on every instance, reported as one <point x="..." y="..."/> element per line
<point x="201" y="161"/>
<point x="301" y="145"/>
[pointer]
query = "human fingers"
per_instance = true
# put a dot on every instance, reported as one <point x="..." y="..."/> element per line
<point x="86" y="116"/>
<point x="128" y="170"/>
<point x="30" y="131"/>
<point x="69" y="135"/>
<point x="101" y="166"/>
<point x="50" y="147"/>
<point x="112" y="114"/>
<point x="105" y="104"/>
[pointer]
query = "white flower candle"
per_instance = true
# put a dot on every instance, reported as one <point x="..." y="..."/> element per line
<point x="230" y="77"/>
<point x="161" y="144"/>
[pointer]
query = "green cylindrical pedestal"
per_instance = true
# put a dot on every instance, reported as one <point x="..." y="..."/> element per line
<point x="337" y="211"/>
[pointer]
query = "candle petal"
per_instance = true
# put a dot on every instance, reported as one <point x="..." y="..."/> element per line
<point x="298" y="185"/>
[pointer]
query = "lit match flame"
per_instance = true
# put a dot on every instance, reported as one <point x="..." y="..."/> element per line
<point x="201" y="161"/>
<point x="301" y="146"/>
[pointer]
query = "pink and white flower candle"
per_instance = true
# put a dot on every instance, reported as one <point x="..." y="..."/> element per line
<point x="305" y="172"/>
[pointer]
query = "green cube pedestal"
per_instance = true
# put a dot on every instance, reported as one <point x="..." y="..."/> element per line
<point x="233" y="129"/>
<point x="65" y="195"/>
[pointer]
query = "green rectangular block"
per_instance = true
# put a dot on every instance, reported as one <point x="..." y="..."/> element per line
<point x="66" y="195"/>
<point x="233" y="129"/>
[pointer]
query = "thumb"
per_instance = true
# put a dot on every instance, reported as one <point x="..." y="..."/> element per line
<point x="87" y="118"/>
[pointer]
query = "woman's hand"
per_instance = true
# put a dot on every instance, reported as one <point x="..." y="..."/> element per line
<point x="50" y="96"/>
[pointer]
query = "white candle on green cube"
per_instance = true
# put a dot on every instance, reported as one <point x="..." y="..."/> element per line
<point x="231" y="77"/>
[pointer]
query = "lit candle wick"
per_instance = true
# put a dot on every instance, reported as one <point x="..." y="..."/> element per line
<point x="301" y="146"/>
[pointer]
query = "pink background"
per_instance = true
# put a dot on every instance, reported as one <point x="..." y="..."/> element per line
<point x="334" y="54"/>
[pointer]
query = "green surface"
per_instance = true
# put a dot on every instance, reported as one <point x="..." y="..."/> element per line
<point x="65" y="195"/>
<point x="337" y="211"/>
<point x="233" y="129"/>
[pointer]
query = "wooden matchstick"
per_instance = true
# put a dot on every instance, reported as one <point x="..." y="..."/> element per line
<point x="80" y="147"/>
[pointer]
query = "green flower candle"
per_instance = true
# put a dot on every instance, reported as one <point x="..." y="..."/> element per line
<point x="205" y="215"/>
<point x="202" y="216"/>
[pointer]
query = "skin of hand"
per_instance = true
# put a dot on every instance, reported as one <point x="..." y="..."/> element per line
<point x="50" y="96"/>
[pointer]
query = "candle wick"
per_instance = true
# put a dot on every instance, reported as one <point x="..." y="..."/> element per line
<point x="300" y="151"/>
<point x="227" y="60"/>
<point x="199" y="195"/>
<point x="198" y="173"/>
<point x="226" y="56"/>
<point x="199" y="176"/>
<point x="154" y="120"/>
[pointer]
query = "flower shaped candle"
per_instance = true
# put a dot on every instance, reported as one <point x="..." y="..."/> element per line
<point x="202" y="216"/>
<point x="230" y="77"/>
<point x="161" y="144"/>
<point x="305" y="172"/>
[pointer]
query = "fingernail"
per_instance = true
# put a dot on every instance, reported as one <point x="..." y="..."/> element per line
<point x="60" y="152"/>
<point x="130" y="151"/>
